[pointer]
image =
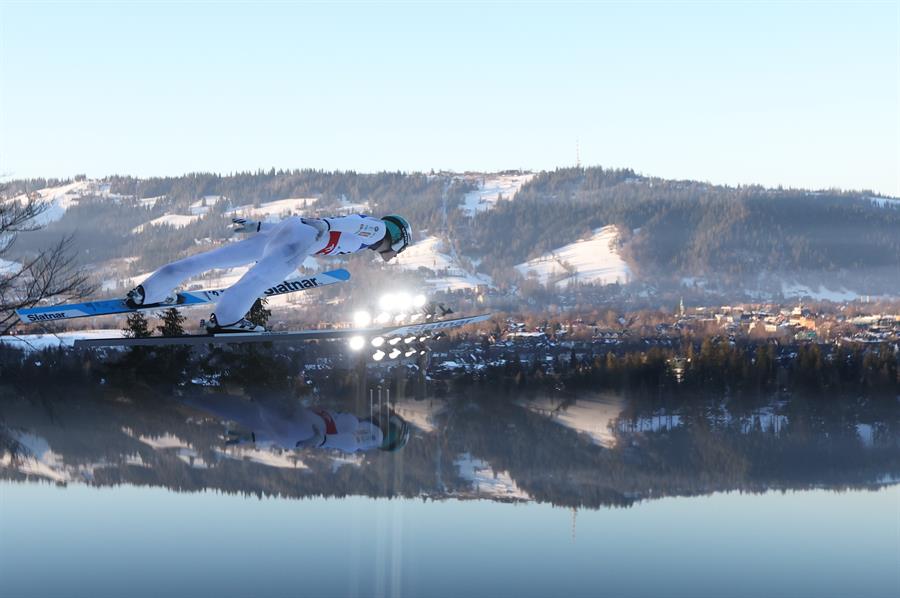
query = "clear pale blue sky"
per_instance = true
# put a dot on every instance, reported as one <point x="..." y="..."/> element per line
<point x="798" y="94"/>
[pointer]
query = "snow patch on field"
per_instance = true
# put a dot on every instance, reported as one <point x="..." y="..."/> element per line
<point x="429" y="254"/>
<point x="486" y="481"/>
<point x="149" y="202"/>
<point x="269" y="458"/>
<point x="173" y="220"/>
<point x="491" y="189"/>
<point x="820" y="294"/>
<point x="595" y="418"/>
<point x="58" y="199"/>
<point x="37" y="342"/>
<point x="202" y="206"/>
<point x="885" y="202"/>
<point x="594" y="260"/>
<point x="276" y="210"/>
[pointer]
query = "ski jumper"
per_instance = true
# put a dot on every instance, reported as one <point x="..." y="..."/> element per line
<point x="327" y="429"/>
<point x="278" y="249"/>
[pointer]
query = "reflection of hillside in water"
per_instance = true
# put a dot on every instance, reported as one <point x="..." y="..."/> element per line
<point x="591" y="451"/>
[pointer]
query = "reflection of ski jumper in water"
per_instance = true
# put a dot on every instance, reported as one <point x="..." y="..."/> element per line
<point x="304" y="427"/>
<point x="278" y="250"/>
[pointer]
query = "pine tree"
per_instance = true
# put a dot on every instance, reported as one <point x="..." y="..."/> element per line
<point x="172" y="323"/>
<point x="259" y="315"/>
<point x="136" y="326"/>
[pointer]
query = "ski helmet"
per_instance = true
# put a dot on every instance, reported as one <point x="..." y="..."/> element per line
<point x="399" y="230"/>
<point x="395" y="430"/>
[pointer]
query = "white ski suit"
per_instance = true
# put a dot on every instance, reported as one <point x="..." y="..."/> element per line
<point x="301" y="428"/>
<point x="278" y="249"/>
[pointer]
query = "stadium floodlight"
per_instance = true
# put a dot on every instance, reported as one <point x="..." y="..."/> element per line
<point x="362" y="318"/>
<point x="404" y="301"/>
<point x="377" y="341"/>
<point x="387" y="301"/>
<point x="378" y="355"/>
<point x="394" y="354"/>
<point x="383" y="318"/>
<point x="398" y="319"/>
<point x="394" y="341"/>
<point x="357" y="342"/>
<point x="415" y="318"/>
<point x="419" y="300"/>
<point x="409" y="353"/>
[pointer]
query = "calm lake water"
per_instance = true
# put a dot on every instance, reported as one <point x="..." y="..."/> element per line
<point x="602" y="495"/>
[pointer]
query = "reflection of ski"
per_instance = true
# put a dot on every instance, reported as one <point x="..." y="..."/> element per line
<point x="425" y="329"/>
<point x="185" y="299"/>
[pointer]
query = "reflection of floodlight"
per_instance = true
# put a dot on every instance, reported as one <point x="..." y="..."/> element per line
<point x="415" y="318"/>
<point x="357" y="343"/>
<point x="409" y="339"/>
<point x="404" y="301"/>
<point x="398" y="319"/>
<point x="422" y="352"/>
<point x="422" y="339"/>
<point x="377" y="341"/>
<point x="409" y="353"/>
<point x="378" y="355"/>
<point x="387" y="301"/>
<point x="394" y="341"/>
<point x="394" y="354"/>
<point x="383" y="318"/>
<point x="419" y="301"/>
<point x="362" y="318"/>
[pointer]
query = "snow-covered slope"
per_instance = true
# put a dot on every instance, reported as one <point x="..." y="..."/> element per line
<point x="885" y="202"/>
<point x="820" y="293"/>
<point x="59" y="199"/>
<point x="202" y="205"/>
<point x="595" y="418"/>
<point x="491" y="189"/>
<point x="276" y="209"/>
<point x="487" y="482"/>
<point x="173" y="220"/>
<point x="448" y="274"/>
<point x="594" y="260"/>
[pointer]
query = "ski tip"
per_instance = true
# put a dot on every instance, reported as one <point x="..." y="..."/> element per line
<point x="340" y="274"/>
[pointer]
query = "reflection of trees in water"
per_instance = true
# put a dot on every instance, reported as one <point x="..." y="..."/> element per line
<point x="665" y="447"/>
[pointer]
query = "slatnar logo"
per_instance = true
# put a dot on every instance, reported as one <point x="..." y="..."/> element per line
<point x="289" y="286"/>
<point x="44" y="317"/>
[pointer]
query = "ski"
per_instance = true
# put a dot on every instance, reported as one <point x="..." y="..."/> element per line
<point x="408" y="330"/>
<point x="185" y="299"/>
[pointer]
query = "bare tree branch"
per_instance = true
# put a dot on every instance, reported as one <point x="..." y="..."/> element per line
<point x="52" y="273"/>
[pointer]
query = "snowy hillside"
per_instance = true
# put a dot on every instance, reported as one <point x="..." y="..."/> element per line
<point x="203" y="205"/>
<point x="595" y="418"/>
<point x="595" y="260"/>
<point x="280" y="208"/>
<point x="448" y="275"/>
<point x="491" y="189"/>
<point x="59" y="199"/>
<point x="488" y="482"/>
<point x="173" y="220"/>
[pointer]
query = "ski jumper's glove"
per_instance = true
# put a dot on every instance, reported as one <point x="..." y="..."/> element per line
<point x="243" y="225"/>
